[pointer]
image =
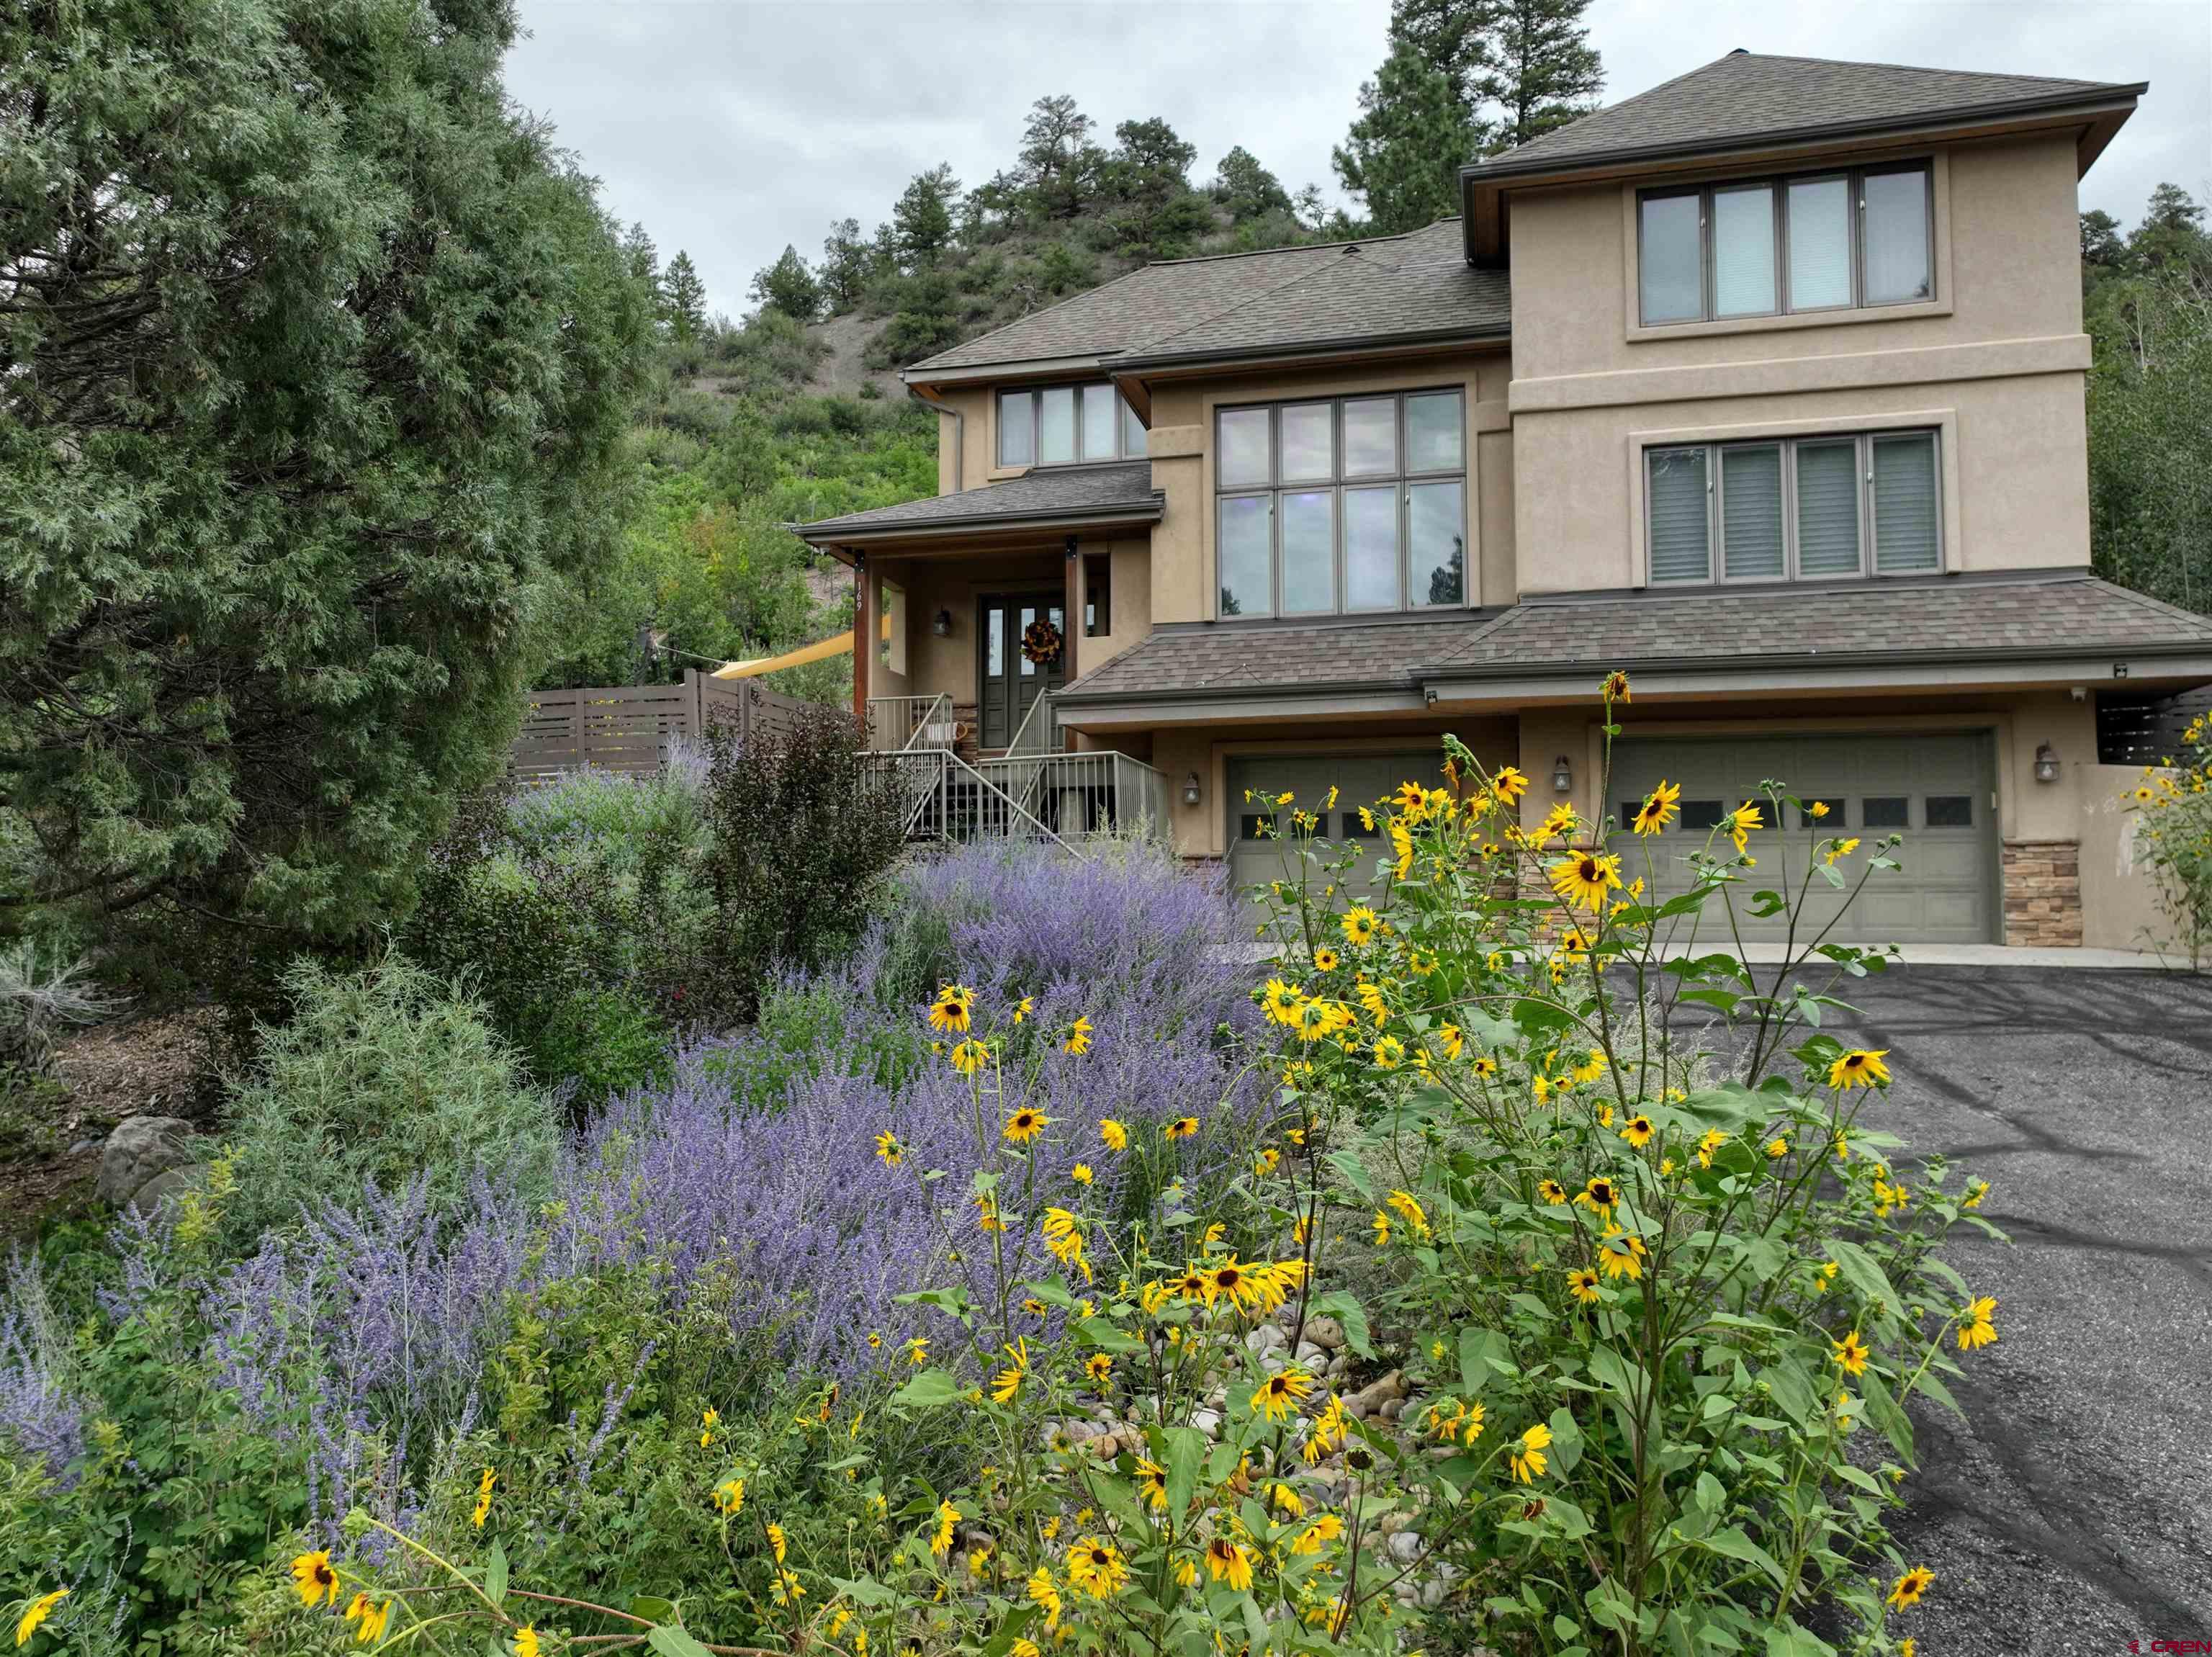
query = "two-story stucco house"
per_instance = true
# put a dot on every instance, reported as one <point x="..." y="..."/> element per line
<point x="1765" y="386"/>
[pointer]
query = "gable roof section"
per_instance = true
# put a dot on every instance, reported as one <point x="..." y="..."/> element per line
<point x="1747" y="96"/>
<point x="1119" y="493"/>
<point x="1416" y="287"/>
<point x="1129" y="317"/>
<point x="1938" y="621"/>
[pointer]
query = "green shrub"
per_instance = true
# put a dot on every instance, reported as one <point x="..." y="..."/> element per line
<point x="391" y="1073"/>
<point x="803" y="831"/>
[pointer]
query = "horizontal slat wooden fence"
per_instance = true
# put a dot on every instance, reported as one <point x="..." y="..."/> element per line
<point x="633" y="727"/>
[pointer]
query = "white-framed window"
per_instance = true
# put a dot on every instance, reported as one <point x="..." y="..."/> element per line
<point x="1067" y="425"/>
<point x="1795" y="508"/>
<point x="1339" y="504"/>
<point x="1851" y="238"/>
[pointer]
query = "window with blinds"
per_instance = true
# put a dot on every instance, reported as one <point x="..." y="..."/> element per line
<point x="1806" y="508"/>
<point x="1767" y="247"/>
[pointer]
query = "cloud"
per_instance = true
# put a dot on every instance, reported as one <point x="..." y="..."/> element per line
<point x="730" y="130"/>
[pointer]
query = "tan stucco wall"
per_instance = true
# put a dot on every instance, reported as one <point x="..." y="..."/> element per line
<point x="965" y="440"/>
<point x="1995" y="363"/>
<point x="2119" y="894"/>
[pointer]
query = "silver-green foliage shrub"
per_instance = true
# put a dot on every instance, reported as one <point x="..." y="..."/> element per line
<point x="389" y="1074"/>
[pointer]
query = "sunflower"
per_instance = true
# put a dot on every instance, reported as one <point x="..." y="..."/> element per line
<point x="1638" y="1131"/>
<point x="1859" y="1068"/>
<point x="1615" y="688"/>
<point x="888" y="1147"/>
<point x="1325" y="960"/>
<point x="1843" y="848"/>
<point x="1096" y="1566"/>
<point x="1851" y="1353"/>
<point x="1551" y="1191"/>
<point x="1358" y="923"/>
<point x="1390" y="1052"/>
<point x="1621" y="1254"/>
<point x="1382" y="1230"/>
<point x="1229" y="1562"/>
<point x="1408" y="1210"/>
<point x="1601" y="1196"/>
<point x="1077" y="1040"/>
<point x="954" y="1009"/>
<point x="1713" y="1141"/>
<point x="1739" y="822"/>
<point x="1279" y="1395"/>
<point x="1191" y="1285"/>
<point x="1025" y="1125"/>
<point x="1319" y="1534"/>
<point x="1658" y="810"/>
<point x="1152" y="1483"/>
<point x="1906" y="1591"/>
<point x="525" y="1643"/>
<point x="483" y="1498"/>
<point x="1401" y="849"/>
<point x="36" y="1614"/>
<point x="1528" y="1458"/>
<point x="1229" y="1280"/>
<point x="1509" y="784"/>
<point x="1115" y="1134"/>
<point x="1451" y="1041"/>
<point x="1585" y="877"/>
<point x="316" y="1582"/>
<point x="1581" y="1283"/>
<point x="1281" y="1000"/>
<point x="1486" y="1066"/>
<point x="941" y="1541"/>
<point x="1976" y="1327"/>
<point x="1184" y="1127"/>
<point x="1044" y="1593"/>
<point x="969" y="1056"/>
<point x="729" y="1495"/>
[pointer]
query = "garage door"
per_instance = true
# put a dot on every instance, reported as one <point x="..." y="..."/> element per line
<point x="1359" y="779"/>
<point x="1933" y="790"/>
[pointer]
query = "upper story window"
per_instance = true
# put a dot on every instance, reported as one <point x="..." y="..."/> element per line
<point x="1062" y="425"/>
<point x="1341" y="503"/>
<point x="1824" y="242"/>
<point x="1808" y="509"/>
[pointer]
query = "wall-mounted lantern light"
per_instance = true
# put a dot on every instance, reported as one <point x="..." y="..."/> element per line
<point x="943" y="626"/>
<point x="1190" y="790"/>
<point x="2046" y="764"/>
<point x="1563" y="776"/>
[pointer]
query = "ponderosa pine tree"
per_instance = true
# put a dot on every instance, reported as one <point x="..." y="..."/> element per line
<point x="1404" y="153"/>
<point x="682" y="299"/>
<point x="315" y="363"/>
<point x="1518" y="68"/>
<point x="788" y="286"/>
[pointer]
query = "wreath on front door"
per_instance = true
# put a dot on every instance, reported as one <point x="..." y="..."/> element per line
<point x="1041" y="643"/>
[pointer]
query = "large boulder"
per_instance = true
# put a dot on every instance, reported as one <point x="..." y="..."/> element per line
<point x="140" y="1148"/>
<point x="166" y="1190"/>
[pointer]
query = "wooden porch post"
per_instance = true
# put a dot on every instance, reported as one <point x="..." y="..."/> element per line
<point x="1072" y="608"/>
<point x="864" y="640"/>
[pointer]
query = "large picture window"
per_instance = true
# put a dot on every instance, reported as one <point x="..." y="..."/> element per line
<point x="1776" y="247"/>
<point x="1800" y="508"/>
<point x="1341" y="504"/>
<point x="1067" y="425"/>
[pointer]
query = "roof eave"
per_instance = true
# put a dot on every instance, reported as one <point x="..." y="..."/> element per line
<point x="1305" y="351"/>
<point x="1020" y="368"/>
<point x="1482" y="184"/>
<point x="828" y="533"/>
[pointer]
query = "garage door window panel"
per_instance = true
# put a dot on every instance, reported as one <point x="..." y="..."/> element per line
<point x="1880" y="811"/>
<point x="1950" y="810"/>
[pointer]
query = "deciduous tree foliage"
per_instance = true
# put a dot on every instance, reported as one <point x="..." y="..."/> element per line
<point x="313" y="359"/>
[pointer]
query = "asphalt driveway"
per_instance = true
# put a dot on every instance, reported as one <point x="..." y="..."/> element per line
<point x="2074" y="1514"/>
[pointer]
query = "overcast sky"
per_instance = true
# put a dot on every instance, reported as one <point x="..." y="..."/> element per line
<point x="731" y="127"/>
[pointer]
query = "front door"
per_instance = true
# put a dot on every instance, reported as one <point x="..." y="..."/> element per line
<point x="1011" y="680"/>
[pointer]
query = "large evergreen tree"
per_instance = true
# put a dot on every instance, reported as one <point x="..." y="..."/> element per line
<point x="1518" y="68"/>
<point x="314" y="363"/>
<point x="1404" y="153"/>
<point x="682" y="299"/>
<point x="922" y="223"/>
<point x="788" y="286"/>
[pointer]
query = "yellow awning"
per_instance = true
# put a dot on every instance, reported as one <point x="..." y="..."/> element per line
<point x="837" y="645"/>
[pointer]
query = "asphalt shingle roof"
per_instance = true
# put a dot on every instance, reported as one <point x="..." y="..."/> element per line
<point x="1047" y="490"/>
<point x="1959" y="617"/>
<point x="1746" y="95"/>
<point x="1257" y="300"/>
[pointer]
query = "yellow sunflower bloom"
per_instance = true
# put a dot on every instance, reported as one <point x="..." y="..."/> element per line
<point x="1227" y="1562"/>
<point x="525" y="1643"/>
<point x="1095" y="1567"/>
<point x="1527" y="1459"/>
<point x="1859" y="1068"/>
<point x="1509" y="784"/>
<point x="969" y="1056"/>
<point x="1638" y="1131"/>
<point x="313" y="1579"/>
<point x="1114" y="1135"/>
<point x="1278" y="1397"/>
<point x="954" y="1009"/>
<point x="1976" y="1327"/>
<point x="1581" y="1283"/>
<point x="1585" y="877"/>
<point x="1906" y="1591"/>
<point x="1621" y="1254"/>
<point x="1601" y="1196"/>
<point x="35" y="1614"/>
<point x="1025" y="1125"/>
<point x="1851" y="1353"/>
<point x="1078" y="1037"/>
<point x="1358" y="923"/>
<point x="1184" y="1127"/>
<point x="1739" y="822"/>
<point x="888" y="1148"/>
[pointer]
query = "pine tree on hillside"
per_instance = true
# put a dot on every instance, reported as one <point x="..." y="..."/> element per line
<point x="848" y="262"/>
<point x="788" y="286"/>
<point x="1058" y="161"/>
<point x="1246" y="189"/>
<point x="922" y="222"/>
<point x="1404" y="153"/>
<point x="682" y="299"/>
<point x="644" y="258"/>
<point x="1157" y="214"/>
